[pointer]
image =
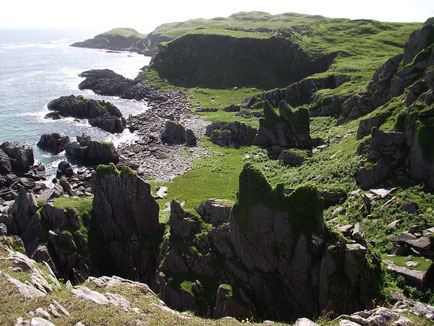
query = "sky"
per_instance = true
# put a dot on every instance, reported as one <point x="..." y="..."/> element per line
<point x="145" y="16"/>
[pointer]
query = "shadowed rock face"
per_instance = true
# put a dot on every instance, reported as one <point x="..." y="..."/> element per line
<point x="288" y="130"/>
<point x="226" y="61"/>
<point x="126" y="215"/>
<point x="123" y="204"/>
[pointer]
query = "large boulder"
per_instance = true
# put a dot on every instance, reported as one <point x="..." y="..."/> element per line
<point x="20" y="157"/>
<point x="100" y="113"/>
<point x="24" y="220"/>
<point x="53" y="143"/>
<point x="89" y="152"/>
<point x="230" y="134"/>
<point x="123" y="204"/>
<point x="173" y="133"/>
<point x="287" y="130"/>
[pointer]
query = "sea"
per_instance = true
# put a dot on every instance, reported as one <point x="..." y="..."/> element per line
<point x="37" y="66"/>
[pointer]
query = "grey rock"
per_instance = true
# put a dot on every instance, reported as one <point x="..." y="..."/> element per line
<point x="123" y="204"/>
<point x="345" y="322"/>
<point x="173" y="134"/>
<point x="215" y="211"/>
<point x="366" y="125"/>
<point x="182" y="223"/>
<point x="85" y="293"/>
<point x="3" y="229"/>
<point x="305" y="322"/>
<point x="38" y="321"/>
<point x="190" y="138"/>
<point x="287" y="157"/>
<point x="20" y="157"/>
<point x="53" y="143"/>
<point x="89" y="152"/>
<point x="25" y="290"/>
<point x="42" y="313"/>
<point x="410" y="207"/>
<point x="230" y="134"/>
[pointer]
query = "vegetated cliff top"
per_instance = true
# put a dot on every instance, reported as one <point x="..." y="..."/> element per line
<point x="123" y="31"/>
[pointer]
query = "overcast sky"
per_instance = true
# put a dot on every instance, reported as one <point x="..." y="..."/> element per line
<point x="144" y="16"/>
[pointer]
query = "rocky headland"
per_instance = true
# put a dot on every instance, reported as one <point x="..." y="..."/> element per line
<point x="330" y="217"/>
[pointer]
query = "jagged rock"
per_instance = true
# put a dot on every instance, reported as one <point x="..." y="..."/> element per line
<point x="347" y="323"/>
<point x="25" y="290"/>
<point x="20" y="157"/>
<point x="109" y="123"/>
<point x="85" y="293"/>
<point x="181" y="223"/>
<point x="123" y="204"/>
<point x="89" y="152"/>
<point x="287" y="157"/>
<point x="24" y="220"/>
<point x="287" y="130"/>
<point x="5" y="163"/>
<point x="64" y="168"/>
<point x="415" y="278"/>
<point x="215" y="211"/>
<point x="53" y="143"/>
<point x="226" y="305"/>
<point x="3" y="229"/>
<point x="82" y="108"/>
<point x="328" y="105"/>
<point x="385" y="151"/>
<point x="190" y="138"/>
<point x="230" y="134"/>
<point x="410" y="207"/>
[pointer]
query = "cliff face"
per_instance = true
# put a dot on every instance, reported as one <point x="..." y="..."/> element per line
<point x="212" y="60"/>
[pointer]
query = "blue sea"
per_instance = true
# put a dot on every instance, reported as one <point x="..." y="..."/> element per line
<point x="37" y="66"/>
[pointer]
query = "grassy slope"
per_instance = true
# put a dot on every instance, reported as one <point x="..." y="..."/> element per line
<point x="363" y="45"/>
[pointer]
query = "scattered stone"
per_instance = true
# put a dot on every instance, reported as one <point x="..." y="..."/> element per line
<point x="26" y="290"/>
<point x="85" y="293"/>
<point x="383" y="193"/>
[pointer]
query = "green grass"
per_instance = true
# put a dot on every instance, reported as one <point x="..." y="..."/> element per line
<point x="83" y="204"/>
<point x="214" y="176"/>
<point x="424" y="263"/>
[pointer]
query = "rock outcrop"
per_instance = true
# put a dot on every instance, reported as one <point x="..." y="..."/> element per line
<point x="175" y="134"/>
<point x="287" y="130"/>
<point x="16" y="158"/>
<point x="100" y="113"/>
<point x="107" y="82"/>
<point x="391" y="78"/>
<point x="213" y="60"/>
<point x="297" y="93"/>
<point x="89" y="152"/>
<point x="53" y="143"/>
<point x="118" y="39"/>
<point x="274" y="259"/>
<point x="230" y="134"/>
<point x="126" y="215"/>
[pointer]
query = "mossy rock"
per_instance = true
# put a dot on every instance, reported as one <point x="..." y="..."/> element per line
<point x="303" y="206"/>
